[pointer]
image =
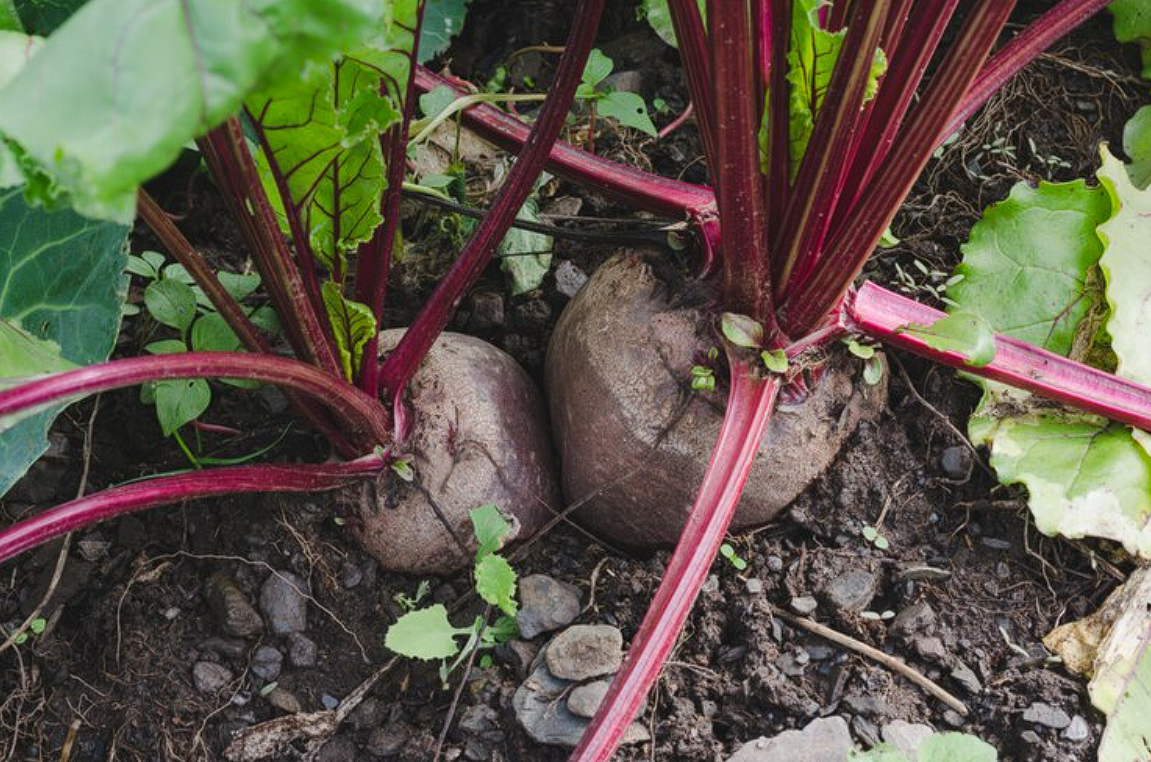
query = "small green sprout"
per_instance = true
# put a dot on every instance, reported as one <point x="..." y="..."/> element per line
<point x="733" y="558"/>
<point x="403" y="469"/>
<point x="775" y="360"/>
<point x="872" y="535"/>
<point x="702" y="379"/>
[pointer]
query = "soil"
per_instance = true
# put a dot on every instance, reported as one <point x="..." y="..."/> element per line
<point x="111" y="675"/>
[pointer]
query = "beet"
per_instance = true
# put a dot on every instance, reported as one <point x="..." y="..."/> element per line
<point x="618" y="378"/>
<point x="479" y="435"/>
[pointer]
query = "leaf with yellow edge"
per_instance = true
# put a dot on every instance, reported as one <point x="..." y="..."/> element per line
<point x="352" y="325"/>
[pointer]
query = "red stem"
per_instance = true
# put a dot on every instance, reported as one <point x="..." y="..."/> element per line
<point x="827" y="160"/>
<point x="364" y="419"/>
<point x="150" y="493"/>
<point x="619" y="182"/>
<point x="882" y="314"/>
<point x="184" y="253"/>
<point x="374" y="260"/>
<point x="749" y="408"/>
<point x="691" y="37"/>
<point x="403" y="361"/>
<point x="779" y="124"/>
<point x="813" y="298"/>
<point x="742" y="206"/>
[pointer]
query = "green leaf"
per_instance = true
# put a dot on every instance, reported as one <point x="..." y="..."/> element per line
<point x="144" y="266"/>
<point x="61" y="280"/>
<point x="872" y="371"/>
<point x="961" y="332"/>
<point x="44" y="16"/>
<point x="239" y="285"/>
<point x="166" y="347"/>
<point x="628" y="109"/>
<point x="525" y="255"/>
<point x="323" y="126"/>
<point x="862" y="351"/>
<point x="37" y="626"/>
<point x="435" y="102"/>
<point x="24" y="357"/>
<point x="352" y="324"/>
<point x="496" y="582"/>
<point x="659" y="17"/>
<point x="123" y="85"/>
<point x="211" y="333"/>
<point x="490" y="528"/>
<point x="596" y="70"/>
<point x="742" y="331"/>
<point x="9" y="20"/>
<point x="424" y="634"/>
<point x="956" y="747"/>
<point x="180" y="401"/>
<point x="443" y="20"/>
<point x="775" y="360"/>
<point x="1085" y="477"/>
<point x="1025" y="266"/>
<point x="16" y="49"/>
<point x="171" y="302"/>
<point x="1137" y="145"/>
<point x="1133" y="24"/>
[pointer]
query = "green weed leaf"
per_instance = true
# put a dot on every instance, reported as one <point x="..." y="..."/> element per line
<point x="525" y="255"/>
<point x="1133" y="24"/>
<point x="181" y="401"/>
<point x="1137" y="145"/>
<point x="628" y="109"/>
<point x="742" y="331"/>
<point x="211" y="333"/>
<point x="425" y="634"/>
<point x="490" y="528"/>
<point x="443" y="20"/>
<point x="496" y="583"/>
<point x="775" y="360"/>
<point x="171" y="302"/>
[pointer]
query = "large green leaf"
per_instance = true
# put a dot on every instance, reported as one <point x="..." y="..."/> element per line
<point x="939" y="747"/>
<point x="424" y="634"/>
<point x="323" y="130"/>
<point x="1133" y="24"/>
<point x="526" y="255"/>
<point x="24" y="357"/>
<point x="16" y="49"/>
<point x="1025" y="265"/>
<point x="43" y="16"/>
<point x="659" y="17"/>
<point x="61" y="280"/>
<point x="353" y="325"/>
<point x="124" y="84"/>
<point x="1137" y="145"/>
<point x="9" y="19"/>
<point x="443" y="20"/>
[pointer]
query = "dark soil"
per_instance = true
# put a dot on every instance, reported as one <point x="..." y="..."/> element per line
<point x="110" y="677"/>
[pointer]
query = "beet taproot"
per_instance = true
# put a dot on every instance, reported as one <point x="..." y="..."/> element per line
<point x="634" y="440"/>
<point x="479" y="435"/>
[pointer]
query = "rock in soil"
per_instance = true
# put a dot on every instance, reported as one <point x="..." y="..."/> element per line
<point x="301" y="650"/>
<point x="618" y="370"/>
<point x="956" y="462"/>
<point x="283" y="603"/>
<point x="569" y="278"/>
<point x="546" y="604"/>
<point x="906" y="736"/>
<point x="804" y="605"/>
<point x="1046" y="715"/>
<point x="585" y="651"/>
<point x="1078" y="730"/>
<point x="585" y="699"/>
<point x="824" y="740"/>
<point x="267" y="662"/>
<point x="966" y="677"/>
<point x="479" y="434"/>
<point x="541" y="710"/>
<point x="851" y="592"/>
<point x="210" y="678"/>
<point x="284" y="701"/>
<point x="915" y="619"/>
<point x="235" y="614"/>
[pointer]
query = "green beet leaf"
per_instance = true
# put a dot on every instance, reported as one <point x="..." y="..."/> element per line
<point x="9" y="19"/>
<point x="961" y="332"/>
<point x="1137" y="145"/>
<point x="16" y="49"/>
<point x="123" y="85"/>
<point x="526" y="255"/>
<point x="443" y="20"/>
<point x="496" y="583"/>
<point x="353" y="325"/>
<point x="424" y="634"/>
<point x="1133" y="24"/>
<point x="61" y="281"/>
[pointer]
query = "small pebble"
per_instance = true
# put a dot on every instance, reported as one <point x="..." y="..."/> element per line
<point x="301" y="650"/>
<point x="210" y="677"/>
<point x="1046" y="715"/>
<point x="754" y="586"/>
<point x="956" y="462"/>
<point x="995" y="543"/>
<point x="774" y="563"/>
<point x="804" y="605"/>
<point x="284" y="701"/>
<point x="953" y="718"/>
<point x="329" y="701"/>
<point x="350" y="575"/>
<point x="1078" y="730"/>
<point x="267" y="662"/>
<point x="585" y="650"/>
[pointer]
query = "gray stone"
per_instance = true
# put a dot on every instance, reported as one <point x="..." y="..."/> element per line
<point x="370" y="713"/>
<point x="284" y="701"/>
<point x="231" y="608"/>
<point x="865" y="731"/>
<point x="754" y="585"/>
<point x="866" y="705"/>
<point x="966" y="677"/>
<point x="584" y="651"/>
<point x="624" y="81"/>
<point x="540" y="709"/>
<point x="301" y="650"/>
<point x="774" y="563"/>
<point x="339" y="749"/>
<point x="210" y="677"/>
<point x="804" y="605"/>
<point x="1078" y="730"/>
<point x="923" y="573"/>
<point x="283" y="603"/>
<point x="267" y="662"/>
<point x="995" y="543"/>
<point x="480" y="719"/>
<point x="915" y="619"/>
<point x="350" y="575"/>
<point x="387" y="741"/>
<point x="953" y="718"/>
<point x="546" y="604"/>
<point x="585" y="699"/>
<point x="852" y="591"/>
<point x="328" y="701"/>
<point x="906" y="736"/>
<point x="1031" y="737"/>
<point x="1047" y="715"/>
<point x="230" y="647"/>
<point x="824" y="740"/>
<point x="930" y="648"/>
<point x="956" y="462"/>
<point x="569" y="278"/>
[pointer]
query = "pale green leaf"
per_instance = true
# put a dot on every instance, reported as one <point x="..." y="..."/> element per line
<point x="166" y="347"/>
<point x="171" y="302"/>
<point x="180" y="401"/>
<point x="443" y="20"/>
<point x="353" y="325"/>
<point x="1128" y="734"/>
<point x="956" y="747"/>
<point x="628" y="109"/>
<point x="424" y="634"/>
<point x="775" y="360"/>
<point x="24" y="357"/>
<point x="211" y="333"/>
<point x="1133" y="24"/>
<point x="123" y="85"/>
<point x="1025" y="264"/>
<point x="16" y="49"/>
<point x="239" y="285"/>
<point x="490" y="528"/>
<point x="1137" y="145"/>
<point x="61" y="280"/>
<point x="961" y="332"/>
<point x="9" y="19"/>
<point x="525" y="255"/>
<point x="742" y="330"/>
<point x="596" y="70"/>
<point x="435" y="102"/>
<point x="659" y="17"/>
<point x="496" y="582"/>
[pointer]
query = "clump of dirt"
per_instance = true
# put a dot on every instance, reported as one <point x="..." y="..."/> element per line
<point x="973" y="586"/>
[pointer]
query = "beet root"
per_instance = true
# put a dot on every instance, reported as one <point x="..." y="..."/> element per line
<point x="634" y="441"/>
<point x="479" y="435"/>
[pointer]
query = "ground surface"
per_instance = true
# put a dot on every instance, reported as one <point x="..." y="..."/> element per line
<point x="112" y="673"/>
